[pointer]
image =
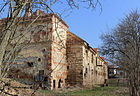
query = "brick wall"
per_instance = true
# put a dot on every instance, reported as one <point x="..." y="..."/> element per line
<point x="74" y="59"/>
<point x="49" y="51"/>
<point x="59" y="63"/>
<point x="43" y="52"/>
<point x="85" y="65"/>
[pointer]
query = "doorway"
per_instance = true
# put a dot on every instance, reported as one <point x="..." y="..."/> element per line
<point x="53" y="83"/>
<point x="59" y="83"/>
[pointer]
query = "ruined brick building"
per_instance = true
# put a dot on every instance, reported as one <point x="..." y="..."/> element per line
<point x="53" y="55"/>
<point x="85" y="66"/>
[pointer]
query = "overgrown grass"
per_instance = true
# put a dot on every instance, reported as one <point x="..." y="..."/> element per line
<point x="111" y="90"/>
<point x="115" y="82"/>
<point x="96" y="91"/>
<point x="47" y="92"/>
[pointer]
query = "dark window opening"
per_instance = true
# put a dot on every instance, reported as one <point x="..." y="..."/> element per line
<point x="30" y="64"/>
<point x="43" y="50"/>
<point x="10" y="76"/>
<point x="40" y="85"/>
<point x="96" y="72"/>
<point x="41" y="72"/>
<point x="81" y="72"/>
<point x="86" y="70"/>
<point x="40" y="76"/>
<point x="53" y="83"/>
<point x="59" y="83"/>
<point x="68" y="67"/>
<point x="85" y="75"/>
<point x="45" y="78"/>
<point x="92" y="71"/>
<point x="7" y="84"/>
<point x="39" y="59"/>
<point x="92" y="59"/>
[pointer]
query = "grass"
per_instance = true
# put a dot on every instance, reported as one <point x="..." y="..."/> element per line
<point x="110" y="90"/>
<point x="96" y="91"/>
<point x="47" y="92"/>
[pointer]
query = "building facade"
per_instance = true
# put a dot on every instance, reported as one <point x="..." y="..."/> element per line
<point x="52" y="55"/>
<point x="85" y="66"/>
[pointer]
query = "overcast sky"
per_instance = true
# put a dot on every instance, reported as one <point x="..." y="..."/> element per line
<point x="90" y="24"/>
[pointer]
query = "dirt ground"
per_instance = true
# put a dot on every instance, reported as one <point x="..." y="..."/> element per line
<point x="9" y="87"/>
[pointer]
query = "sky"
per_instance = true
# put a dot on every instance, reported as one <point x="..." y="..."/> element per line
<point x="90" y="24"/>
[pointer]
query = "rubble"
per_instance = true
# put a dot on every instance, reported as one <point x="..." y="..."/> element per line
<point x="9" y="87"/>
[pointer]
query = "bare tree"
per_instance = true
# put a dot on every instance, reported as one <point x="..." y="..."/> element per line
<point x="17" y="11"/>
<point x="122" y="46"/>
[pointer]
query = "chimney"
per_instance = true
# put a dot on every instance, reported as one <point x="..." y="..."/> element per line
<point x="37" y="12"/>
<point x="28" y="12"/>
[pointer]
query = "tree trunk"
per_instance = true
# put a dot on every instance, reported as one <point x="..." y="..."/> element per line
<point x="8" y="33"/>
<point x="3" y="46"/>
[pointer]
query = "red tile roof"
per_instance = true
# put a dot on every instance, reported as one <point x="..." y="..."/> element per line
<point x="103" y="58"/>
<point x="96" y="49"/>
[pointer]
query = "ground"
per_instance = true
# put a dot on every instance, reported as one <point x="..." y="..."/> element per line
<point x="113" y="89"/>
<point x="10" y="87"/>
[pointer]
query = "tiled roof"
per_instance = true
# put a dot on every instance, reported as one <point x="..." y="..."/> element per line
<point x="96" y="50"/>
